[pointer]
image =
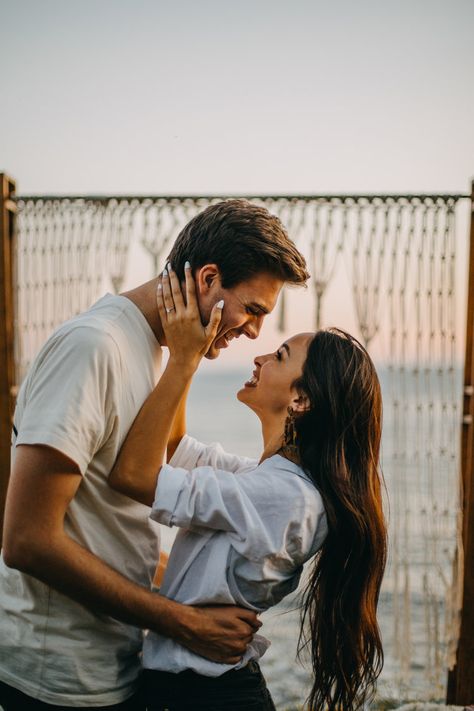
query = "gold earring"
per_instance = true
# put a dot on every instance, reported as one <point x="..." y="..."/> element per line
<point x="289" y="436"/>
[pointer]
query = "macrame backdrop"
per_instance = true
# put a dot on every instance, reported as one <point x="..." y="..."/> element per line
<point x="399" y="256"/>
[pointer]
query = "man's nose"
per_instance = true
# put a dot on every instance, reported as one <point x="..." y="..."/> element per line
<point x="252" y="328"/>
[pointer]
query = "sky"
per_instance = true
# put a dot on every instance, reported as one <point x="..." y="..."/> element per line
<point x="269" y="96"/>
<point x="135" y="96"/>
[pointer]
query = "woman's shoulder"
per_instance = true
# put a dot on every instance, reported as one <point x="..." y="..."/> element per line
<point x="296" y="502"/>
<point x="277" y="464"/>
<point x="288" y="480"/>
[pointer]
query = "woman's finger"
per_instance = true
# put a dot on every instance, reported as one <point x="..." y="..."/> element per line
<point x="175" y="289"/>
<point x="191" y="299"/>
<point x="159" y="301"/>
<point x="167" y="295"/>
<point x="214" y="321"/>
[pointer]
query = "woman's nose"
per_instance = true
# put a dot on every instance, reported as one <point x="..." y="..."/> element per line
<point x="259" y="360"/>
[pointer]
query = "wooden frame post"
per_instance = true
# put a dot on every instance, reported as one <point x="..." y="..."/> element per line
<point x="7" y="356"/>
<point x="461" y="678"/>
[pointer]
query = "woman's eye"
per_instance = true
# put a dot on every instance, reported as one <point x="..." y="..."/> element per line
<point x="278" y="355"/>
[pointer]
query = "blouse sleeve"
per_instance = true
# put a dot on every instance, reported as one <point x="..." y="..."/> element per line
<point x="191" y="453"/>
<point x="265" y="513"/>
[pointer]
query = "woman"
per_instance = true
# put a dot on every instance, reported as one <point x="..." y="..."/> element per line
<point x="247" y="528"/>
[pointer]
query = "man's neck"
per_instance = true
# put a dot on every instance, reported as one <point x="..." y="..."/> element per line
<point x="144" y="298"/>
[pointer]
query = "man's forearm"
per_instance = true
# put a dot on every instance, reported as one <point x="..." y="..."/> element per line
<point x="42" y="484"/>
<point x="221" y="633"/>
<point x="69" y="568"/>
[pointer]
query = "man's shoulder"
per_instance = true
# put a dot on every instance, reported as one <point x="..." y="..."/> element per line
<point x="83" y="337"/>
<point x="87" y="337"/>
<point x="106" y="316"/>
<point x="98" y="327"/>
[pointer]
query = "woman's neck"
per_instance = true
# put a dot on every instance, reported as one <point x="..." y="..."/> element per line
<point x="273" y="440"/>
<point x="272" y="433"/>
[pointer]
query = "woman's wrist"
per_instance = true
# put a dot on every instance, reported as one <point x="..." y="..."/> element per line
<point x="184" y="368"/>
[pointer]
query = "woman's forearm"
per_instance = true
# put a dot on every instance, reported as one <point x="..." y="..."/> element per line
<point x="178" y="429"/>
<point x="136" y="470"/>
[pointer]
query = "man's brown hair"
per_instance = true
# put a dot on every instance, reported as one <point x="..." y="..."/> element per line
<point x="242" y="239"/>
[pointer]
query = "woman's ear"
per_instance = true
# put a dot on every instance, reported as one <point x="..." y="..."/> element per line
<point x="207" y="278"/>
<point x="300" y="404"/>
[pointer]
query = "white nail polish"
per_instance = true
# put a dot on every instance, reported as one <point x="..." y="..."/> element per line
<point x="220" y="304"/>
<point x="187" y="265"/>
<point x="165" y="272"/>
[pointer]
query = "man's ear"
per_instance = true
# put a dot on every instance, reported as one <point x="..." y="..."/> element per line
<point x="300" y="404"/>
<point x="207" y="278"/>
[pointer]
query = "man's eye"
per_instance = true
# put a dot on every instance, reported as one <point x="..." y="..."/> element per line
<point x="252" y="311"/>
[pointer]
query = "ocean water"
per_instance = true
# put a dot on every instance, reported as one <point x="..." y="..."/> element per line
<point x="214" y="414"/>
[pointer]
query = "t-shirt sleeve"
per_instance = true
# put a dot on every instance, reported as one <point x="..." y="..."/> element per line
<point x="191" y="453"/>
<point x="71" y="396"/>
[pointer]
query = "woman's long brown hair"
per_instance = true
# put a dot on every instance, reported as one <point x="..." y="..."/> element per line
<point x="338" y="440"/>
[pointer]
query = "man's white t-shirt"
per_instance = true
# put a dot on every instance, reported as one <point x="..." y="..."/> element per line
<point x="81" y="395"/>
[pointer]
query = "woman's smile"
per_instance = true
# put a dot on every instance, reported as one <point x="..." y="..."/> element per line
<point x="253" y="381"/>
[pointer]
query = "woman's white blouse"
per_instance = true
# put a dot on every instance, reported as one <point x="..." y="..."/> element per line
<point x="246" y="529"/>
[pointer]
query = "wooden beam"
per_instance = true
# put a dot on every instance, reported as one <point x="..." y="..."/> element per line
<point x="461" y="678"/>
<point x="7" y="358"/>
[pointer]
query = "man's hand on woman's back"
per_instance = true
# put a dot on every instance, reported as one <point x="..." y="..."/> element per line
<point x="221" y="634"/>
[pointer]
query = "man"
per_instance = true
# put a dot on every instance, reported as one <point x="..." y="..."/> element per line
<point x="78" y="557"/>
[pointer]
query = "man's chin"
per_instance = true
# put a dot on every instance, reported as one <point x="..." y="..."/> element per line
<point x="216" y="346"/>
<point x="213" y="353"/>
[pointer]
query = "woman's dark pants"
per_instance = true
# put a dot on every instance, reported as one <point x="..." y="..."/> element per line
<point x="236" y="690"/>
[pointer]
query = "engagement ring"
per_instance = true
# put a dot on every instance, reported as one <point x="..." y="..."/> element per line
<point x="170" y="310"/>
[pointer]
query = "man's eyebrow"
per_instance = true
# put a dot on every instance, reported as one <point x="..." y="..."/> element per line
<point x="255" y="305"/>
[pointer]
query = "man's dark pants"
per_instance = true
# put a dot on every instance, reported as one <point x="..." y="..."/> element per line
<point x="13" y="700"/>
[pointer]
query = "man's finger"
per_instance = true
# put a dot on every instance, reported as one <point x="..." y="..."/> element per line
<point x="236" y="647"/>
<point x="250" y="618"/>
<point x="214" y="321"/>
<point x="232" y="660"/>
